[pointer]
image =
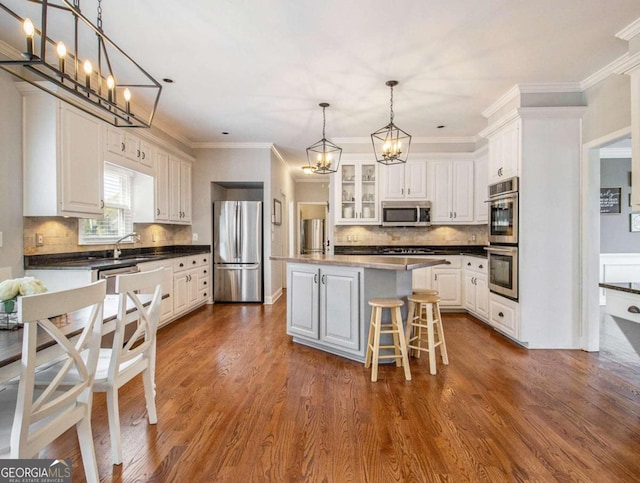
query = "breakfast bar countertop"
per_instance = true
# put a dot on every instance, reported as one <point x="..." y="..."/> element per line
<point x="377" y="262"/>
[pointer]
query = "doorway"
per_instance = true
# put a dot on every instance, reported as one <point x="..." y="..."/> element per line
<point x="311" y="211"/>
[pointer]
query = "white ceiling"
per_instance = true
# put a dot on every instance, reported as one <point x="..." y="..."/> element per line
<point x="258" y="69"/>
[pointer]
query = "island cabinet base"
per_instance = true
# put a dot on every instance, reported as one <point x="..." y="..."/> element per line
<point x="327" y="305"/>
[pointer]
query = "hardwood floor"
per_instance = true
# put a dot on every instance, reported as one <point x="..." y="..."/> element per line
<point x="238" y="401"/>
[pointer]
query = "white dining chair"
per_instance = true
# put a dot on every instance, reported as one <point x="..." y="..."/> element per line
<point x="133" y="356"/>
<point x="31" y="415"/>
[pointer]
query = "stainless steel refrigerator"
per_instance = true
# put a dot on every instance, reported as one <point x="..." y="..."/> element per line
<point x="312" y="236"/>
<point x="237" y="251"/>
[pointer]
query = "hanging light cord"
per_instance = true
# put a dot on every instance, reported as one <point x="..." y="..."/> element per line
<point x="99" y="15"/>
<point x="324" y="122"/>
<point x="391" y="104"/>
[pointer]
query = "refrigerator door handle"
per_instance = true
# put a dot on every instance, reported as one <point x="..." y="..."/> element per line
<point x="255" y="266"/>
<point x="237" y="240"/>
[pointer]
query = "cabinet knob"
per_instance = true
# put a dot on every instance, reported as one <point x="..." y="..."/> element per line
<point x="480" y="266"/>
<point x="633" y="309"/>
<point x="138" y="153"/>
<point x="204" y="271"/>
<point x="468" y="264"/>
<point x="194" y="262"/>
<point x="500" y="314"/>
<point x="101" y="203"/>
<point x="408" y="191"/>
<point x="324" y="279"/>
<point x="204" y="283"/>
<point x="143" y="155"/>
<point x="315" y="278"/>
<point x="447" y="262"/>
<point x="181" y="264"/>
<point x="158" y="212"/>
<point x="122" y="147"/>
<point x="204" y="294"/>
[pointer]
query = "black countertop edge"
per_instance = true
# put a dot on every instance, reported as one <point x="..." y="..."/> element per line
<point x="629" y="287"/>
<point x="472" y="250"/>
<point x="97" y="259"/>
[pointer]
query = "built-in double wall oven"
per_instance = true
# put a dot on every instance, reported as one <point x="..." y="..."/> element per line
<point x="503" y="238"/>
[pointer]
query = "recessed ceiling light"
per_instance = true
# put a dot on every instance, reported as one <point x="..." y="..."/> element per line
<point x="441" y="126"/>
<point x="225" y="133"/>
<point x="167" y="80"/>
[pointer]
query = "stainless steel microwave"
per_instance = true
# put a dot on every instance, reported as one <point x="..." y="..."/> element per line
<point x="406" y="213"/>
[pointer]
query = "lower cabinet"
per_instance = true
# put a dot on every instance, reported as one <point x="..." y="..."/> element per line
<point x="446" y="279"/>
<point x="166" y="309"/>
<point x="476" y="288"/>
<point x="504" y="315"/>
<point x="190" y="282"/>
<point x="324" y="306"/>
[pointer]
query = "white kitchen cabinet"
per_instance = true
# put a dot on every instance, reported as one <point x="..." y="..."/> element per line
<point x="421" y="277"/>
<point x="179" y="190"/>
<point x="481" y="182"/>
<point x="504" y="315"/>
<point x="166" y="308"/>
<point x="451" y="188"/>
<point x="356" y="193"/>
<point x="404" y="181"/>
<point x="190" y="282"/>
<point x="161" y="185"/>
<point x="323" y="305"/>
<point x="62" y="158"/>
<point x="476" y="288"/>
<point x="446" y="279"/>
<point x="504" y="152"/>
<point x="123" y="143"/>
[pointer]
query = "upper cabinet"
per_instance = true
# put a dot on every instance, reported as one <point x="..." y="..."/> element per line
<point x="62" y="159"/>
<point x="451" y="188"/>
<point x="481" y="176"/>
<point x="404" y="181"/>
<point x="356" y="193"/>
<point x="124" y="145"/>
<point x="179" y="190"/>
<point x="504" y="152"/>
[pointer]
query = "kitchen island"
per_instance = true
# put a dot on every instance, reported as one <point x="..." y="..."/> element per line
<point x="327" y="297"/>
<point x="623" y="300"/>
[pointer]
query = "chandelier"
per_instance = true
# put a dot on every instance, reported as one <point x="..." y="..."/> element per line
<point x="53" y="46"/>
<point x="390" y="143"/>
<point x="323" y="156"/>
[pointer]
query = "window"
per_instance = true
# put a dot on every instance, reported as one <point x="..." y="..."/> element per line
<point x="118" y="220"/>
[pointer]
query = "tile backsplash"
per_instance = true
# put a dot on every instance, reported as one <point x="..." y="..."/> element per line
<point x="60" y="235"/>
<point x="434" y="235"/>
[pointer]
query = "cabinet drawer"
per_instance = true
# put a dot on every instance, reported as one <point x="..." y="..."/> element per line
<point x="503" y="317"/>
<point x="619" y="304"/>
<point x="185" y="263"/>
<point x="203" y="283"/>
<point x="475" y="264"/>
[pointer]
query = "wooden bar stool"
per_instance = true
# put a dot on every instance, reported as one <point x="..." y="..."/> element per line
<point x="425" y="320"/>
<point x="377" y="328"/>
<point x="427" y="291"/>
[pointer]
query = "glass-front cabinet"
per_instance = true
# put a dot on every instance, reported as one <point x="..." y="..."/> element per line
<point x="356" y="193"/>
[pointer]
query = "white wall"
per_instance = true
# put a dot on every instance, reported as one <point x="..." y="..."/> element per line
<point x="245" y="165"/>
<point x="11" y="175"/>
<point x="609" y="109"/>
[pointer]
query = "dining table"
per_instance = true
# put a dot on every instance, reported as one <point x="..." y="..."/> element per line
<point x="70" y="325"/>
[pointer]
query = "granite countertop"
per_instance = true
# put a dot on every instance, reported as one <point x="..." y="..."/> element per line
<point x="629" y="287"/>
<point x="96" y="260"/>
<point x="378" y="262"/>
<point x="413" y="250"/>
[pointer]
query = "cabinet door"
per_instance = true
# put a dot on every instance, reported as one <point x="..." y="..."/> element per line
<point x="340" y="308"/>
<point x="481" y="181"/>
<point x="462" y="191"/>
<point x="482" y="295"/>
<point x="193" y="287"/>
<point x="162" y="186"/>
<point x="345" y="194"/>
<point x="180" y="293"/>
<point x="440" y="174"/>
<point x="393" y="182"/>
<point x="447" y="283"/>
<point x="415" y="180"/>
<point x="185" y="191"/>
<point x="115" y="141"/>
<point x="81" y="176"/>
<point x="469" y="291"/>
<point x="174" y="189"/>
<point x="421" y="278"/>
<point x="146" y="155"/>
<point x="368" y="192"/>
<point x="302" y="301"/>
<point x="132" y="147"/>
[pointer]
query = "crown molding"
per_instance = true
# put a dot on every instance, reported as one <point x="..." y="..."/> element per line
<point x="500" y="123"/>
<point x="519" y="89"/>
<point x="628" y="62"/>
<point x="414" y="140"/>
<point x="166" y="129"/>
<point x="629" y="31"/>
<point x="614" y="67"/>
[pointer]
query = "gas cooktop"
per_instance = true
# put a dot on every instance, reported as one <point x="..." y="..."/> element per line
<point x="405" y="251"/>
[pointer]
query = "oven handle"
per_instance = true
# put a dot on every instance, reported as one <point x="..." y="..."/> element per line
<point x="500" y="250"/>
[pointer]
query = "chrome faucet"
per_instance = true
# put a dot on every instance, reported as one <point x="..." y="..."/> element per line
<point x="116" y="247"/>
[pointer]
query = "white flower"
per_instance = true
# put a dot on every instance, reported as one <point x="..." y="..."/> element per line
<point x="10" y="289"/>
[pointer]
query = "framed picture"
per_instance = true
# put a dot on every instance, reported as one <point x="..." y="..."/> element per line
<point x="277" y="212"/>
<point x="610" y="200"/>
<point x="634" y="222"/>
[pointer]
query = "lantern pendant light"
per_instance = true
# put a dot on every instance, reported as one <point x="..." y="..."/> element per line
<point x="323" y="156"/>
<point x="390" y="143"/>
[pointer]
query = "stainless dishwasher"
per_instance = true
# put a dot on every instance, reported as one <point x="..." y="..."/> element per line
<point x="110" y="274"/>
